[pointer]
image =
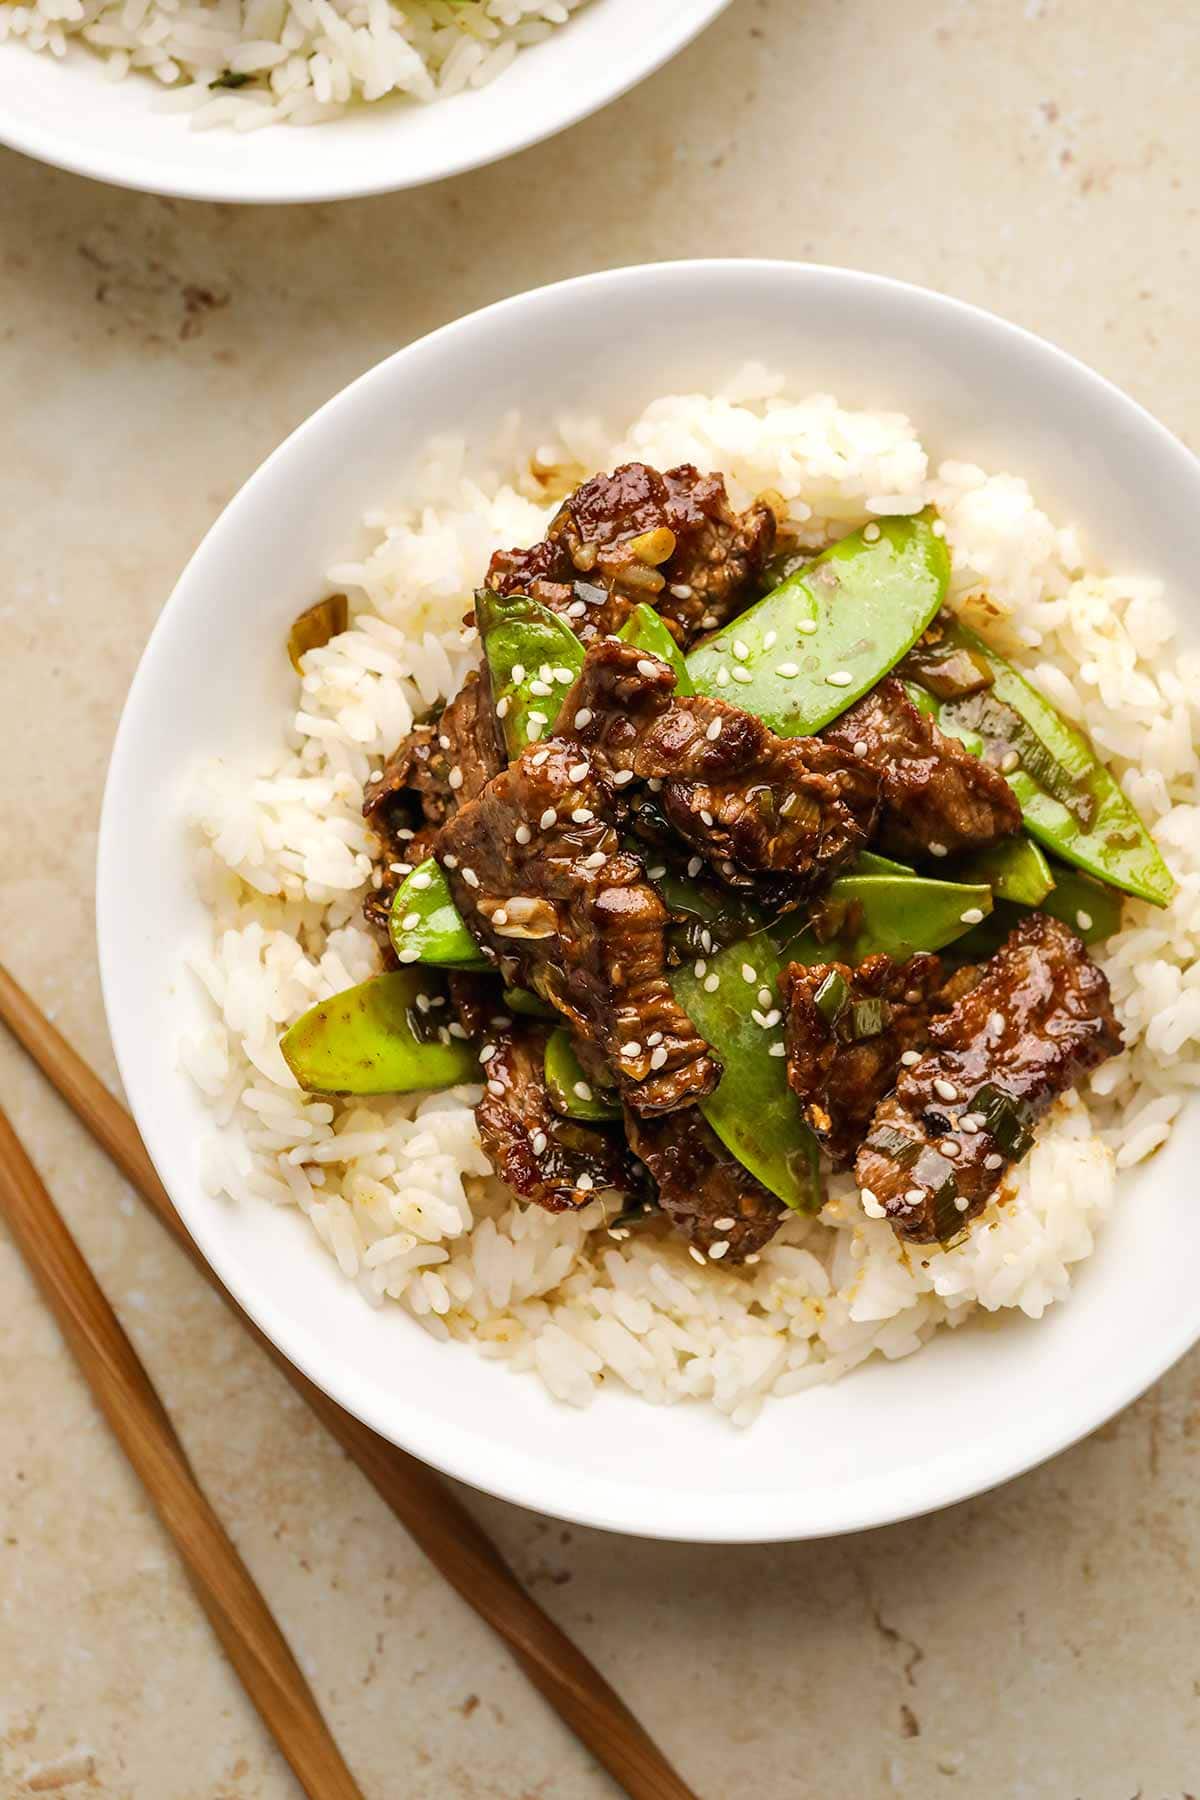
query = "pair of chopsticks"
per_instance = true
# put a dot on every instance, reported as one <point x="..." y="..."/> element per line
<point x="421" y="1501"/>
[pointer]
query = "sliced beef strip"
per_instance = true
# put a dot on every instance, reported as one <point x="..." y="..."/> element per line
<point x="750" y="803"/>
<point x="937" y="799"/>
<point x="706" y="1193"/>
<point x="839" y="1078"/>
<point x="557" y="1163"/>
<point x="587" y="566"/>
<point x="1037" y="1019"/>
<point x="432" y="772"/>
<point x="536" y="868"/>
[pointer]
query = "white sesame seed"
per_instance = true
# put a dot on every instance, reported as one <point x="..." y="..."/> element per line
<point x="410" y="953"/>
<point x="696" y="863"/>
<point x="711" y="983"/>
<point x="654" y="1037"/>
<point x="410" y="921"/>
<point x="839" y="678"/>
<point x="522" y="834"/>
<point x="631" y="1048"/>
<point x="470" y="877"/>
<point x="456" y="1030"/>
<point x="577" y="771"/>
<point x="910" y="1058"/>
<point x="658" y="1058"/>
<point x="496" y="1088"/>
<point x="772" y="1019"/>
<point x="539" y="759"/>
<point x="696" y="1255"/>
<point x="970" y="1123"/>
<point x="961" y="1202"/>
<point x="749" y="972"/>
<point x="618" y="1232"/>
<point x="938" y="850"/>
<point x="996" y="1024"/>
<point x="487" y="1052"/>
<point x="1083" y="920"/>
<point x="583" y="1090"/>
<point x="583" y="815"/>
<point x="972" y="916"/>
<point x="596" y="860"/>
<point x="585" y="1184"/>
<point x="455" y="777"/>
<point x="710" y="621"/>
<point x="541" y="688"/>
<point x="646" y="667"/>
<point x="583" y="717"/>
<point x="538" y="1142"/>
<point x="533" y="729"/>
<point x="807" y="626"/>
<point x="787" y="670"/>
<point x="760" y="1018"/>
<point x="740" y="650"/>
<point x="563" y="677"/>
<point x="742" y="675"/>
<point x="681" y="590"/>
<point x="420" y="881"/>
<point x="545" y="673"/>
<point x="754" y="1257"/>
<point x="861" y="748"/>
<point x="769" y="640"/>
<point x="914" y="1194"/>
<point x="405" y="835"/>
<point x="948" y="1147"/>
<point x="657" y="872"/>
<point x="706" y="816"/>
<point x="444" y="742"/>
<point x="699" y="968"/>
<point x="871" y="532"/>
<point x="1009" y="761"/>
<point x="993" y="1162"/>
<point x="576" y="609"/>
<point x="764" y="996"/>
<point x="945" y="1090"/>
<point x="621" y="777"/>
<point x="722" y="676"/>
<point x="450" y="862"/>
<point x="518" y="673"/>
<point x="654" y="783"/>
<point x="548" y="818"/>
<point x="717" y="1251"/>
<point x="777" y="1050"/>
<point x="714" y="730"/>
<point x="375" y="775"/>
<point x="406" y="869"/>
<point x="706" y="942"/>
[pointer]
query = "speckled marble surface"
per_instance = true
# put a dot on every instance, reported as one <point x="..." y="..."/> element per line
<point x="1042" y="158"/>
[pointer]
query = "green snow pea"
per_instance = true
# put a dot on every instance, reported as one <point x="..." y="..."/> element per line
<point x="870" y="864"/>
<point x="1070" y="802"/>
<point x="528" y="649"/>
<point x="565" y="1079"/>
<point x="853" y="612"/>
<point x="424" y="918"/>
<point x="364" y="1041"/>
<point x="895" y="914"/>
<point x="1015" y="869"/>
<point x="752" y="1110"/>
<point x="1089" y="907"/>
<point x="526" y="1004"/>
<point x="644" y="629"/>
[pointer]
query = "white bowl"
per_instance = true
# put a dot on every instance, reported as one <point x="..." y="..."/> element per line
<point x="69" y="114"/>
<point x="890" y="1440"/>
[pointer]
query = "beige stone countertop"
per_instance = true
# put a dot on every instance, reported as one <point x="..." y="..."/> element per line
<point x="1041" y="157"/>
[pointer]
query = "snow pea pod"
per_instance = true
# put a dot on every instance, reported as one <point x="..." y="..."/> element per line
<point x="818" y="642"/>
<point x="528" y="651"/>
<point x="365" y="1041"/>
<point x="425" y="919"/>
<point x="895" y="914"/>
<point x="869" y="863"/>
<point x="1069" y="800"/>
<point x="644" y="629"/>
<point x="571" y="1093"/>
<point x="752" y="1111"/>
<point x="1015" y="869"/>
<point x="1087" y="906"/>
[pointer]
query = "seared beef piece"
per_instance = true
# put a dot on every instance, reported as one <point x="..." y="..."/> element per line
<point x="747" y="801"/>
<point x="1038" y="1017"/>
<point x="938" y="799"/>
<point x="557" y="1163"/>
<point x="705" y="1192"/>
<point x="537" y="870"/>
<point x="476" y="1000"/>
<point x="710" y="574"/>
<point x="434" y="770"/>
<point x="840" y="1077"/>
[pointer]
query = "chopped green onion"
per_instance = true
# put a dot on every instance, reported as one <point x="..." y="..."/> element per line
<point x="831" y="996"/>
<point x="1005" y="1118"/>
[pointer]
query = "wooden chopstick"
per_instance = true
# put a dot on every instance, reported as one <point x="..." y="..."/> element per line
<point x="239" y="1615"/>
<point x="422" y="1502"/>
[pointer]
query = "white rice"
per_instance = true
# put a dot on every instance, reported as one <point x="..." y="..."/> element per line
<point x="398" y="1190"/>
<point x="303" y="61"/>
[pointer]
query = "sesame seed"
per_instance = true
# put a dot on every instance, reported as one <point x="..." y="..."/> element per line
<point x="539" y="687"/>
<point x="728" y="870"/>
<point x="912" y="1195"/>
<point x="654" y="784"/>
<point x="699" y="968"/>
<point x="839" y="678"/>
<point x="406" y="869"/>
<point x="583" y="717"/>
<point x="583" y="1090"/>
<point x="410" y="953"/>
<point x="548" y="818"/>
<point x="706" y="816"/>
<point x="657" y="872"/>
<point x="861" y="748"/>
<point x="410" y="921"/>
<point x="681" y="590"/>
<point x="1009" y="761"/>
<point x="487" y="1052"/>
<point x="444" y="742"/>
<point x="470" y="877"/>
<point x="772" y="1019"/>
<point x="654" y="1037"/>
<point x="996" y="1024"/>
<point x="658" y="1058"/>
<point x="769" y="640"/>
<point x="596" y="860"/>
<point x="455" y="777"/>
<point x="576" y="609"/>
<point x="764" y="996"/>
<point x="938" y="850"/>
<point x="533" y="729"/>
<point x="787" y="670"/>
<point x="969" y="1123"/>
<point x="711" y="983"/>
<point x="522" y="834"/>
<point x="740" y="650"/>
<point x="722" y="676"/>
<point x="696" y="1255"/>
<point x="618" y="1232"/>
<point x="631" y="1048"/>
<point x="622" y="776"/>
<point x="585" y="1184"/>
<point x="563" y="677"/>
<point x="717" y="1251"/>
<point x="518" y="673"/>
<point x="375" y="775"/>
<point x="706" y="941"/>
<point x="961" y="1202"/>
<point x="405" y="835"/>
<point x="871" y="532"/>
<point x="538" y="1142"/>
<point x="714" y="730"/>
<point x="945" y="1090"/>
<point x="742" y="675"/>
<point x="583" y="815"/>
<point x="537" y="761"/>
<point x="421" y="880"/>
<point x="456" y="1030"/>
<point x="696" y="863"/>
<point x="450" y="862"/>
<point x="807" y="626"/>
<point x="993" y="1161"/>
<point x="495" y="1088"/>
<point x="754" y="1257"/>
<point x="972" y="916"/>
<point x="949" y="1148"/>
<point x="577" y="771"/>
<point x="545" y="673"/>
<point x="423" y="1003"/>
<point x="760" y="1018"/>
<point x="709" y="621"/>
<point x="749" y="973"/>
<point x="777" y="1050"/>
<point x="1083" y="920"/>
<point x="910" y="1058"/>
<point x="500" y="916"/>
<point x="646" y="667"/>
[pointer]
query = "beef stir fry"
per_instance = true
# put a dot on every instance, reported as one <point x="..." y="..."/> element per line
<point x="638" y="880"/>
